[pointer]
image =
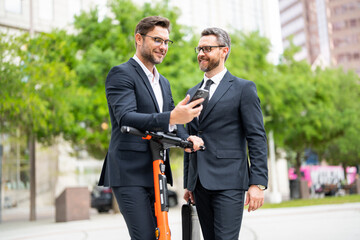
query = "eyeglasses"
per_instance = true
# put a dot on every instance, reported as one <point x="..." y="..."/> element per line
<point x="159" y="41"/>
<point x="206" y="49"/>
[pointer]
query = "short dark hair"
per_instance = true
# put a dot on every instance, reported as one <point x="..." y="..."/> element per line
<point x="222" y="37"/>
<point x="148" y="24"/>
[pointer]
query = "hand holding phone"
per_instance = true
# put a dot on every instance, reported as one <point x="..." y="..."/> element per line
<point x="200" y="93"/>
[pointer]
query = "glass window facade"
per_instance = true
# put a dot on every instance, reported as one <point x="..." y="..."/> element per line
<point x="13" y="6"/>
<point x="46" y="9"/>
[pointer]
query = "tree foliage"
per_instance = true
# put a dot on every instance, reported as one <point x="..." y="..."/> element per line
<point x="36" y="86"/>
<point x="10" y="103"/>
<point x="55" y="83"/>
<point x="109" y="42"/>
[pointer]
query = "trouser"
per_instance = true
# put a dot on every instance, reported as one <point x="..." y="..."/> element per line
<point x="220" y="212"/>
<point x="137" y="207"/>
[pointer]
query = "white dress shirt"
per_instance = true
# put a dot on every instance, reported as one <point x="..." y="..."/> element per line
<point x="216" y="79"/>
<point x="154" y="80"/>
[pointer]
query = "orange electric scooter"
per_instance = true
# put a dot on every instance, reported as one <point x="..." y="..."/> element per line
<point x="158" y="143"/>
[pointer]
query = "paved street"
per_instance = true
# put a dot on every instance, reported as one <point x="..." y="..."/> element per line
<point x="331" y="222"/>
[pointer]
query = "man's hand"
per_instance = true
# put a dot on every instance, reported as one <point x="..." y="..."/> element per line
<point x="197" y="143"/>
<point x="254" y="198"/>
<point x="189" y="195"/>
<point x="184" y="113"/>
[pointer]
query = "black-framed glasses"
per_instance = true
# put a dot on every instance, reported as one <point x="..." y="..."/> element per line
<point x="159" y="41"/>
<point x="207" y="49"/>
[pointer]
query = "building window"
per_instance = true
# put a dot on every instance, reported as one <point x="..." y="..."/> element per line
<point x="356" y="56"/>
<point x="293" y="27"/>
<point x="344" y="57"/>
<point x="341" y="25"/>
<point x="352" y="22"/>
<point x="346" y="8"/>
<point x="13" y="6"/>
<point x="347" y="40"/>
<point x="338" y="26"/>
<point x="291" y="13"/>
<point x="74" y="7"/>
<point x="358" y="71"/>
<point x="285" y="3"/>
<point x="46" y="9"/>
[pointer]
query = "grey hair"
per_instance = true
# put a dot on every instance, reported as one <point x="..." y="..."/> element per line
<point x="222" y="37"/>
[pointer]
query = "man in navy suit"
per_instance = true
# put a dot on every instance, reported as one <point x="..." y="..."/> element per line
<point x="230" y="124"/>
<point x="138" y="96"/>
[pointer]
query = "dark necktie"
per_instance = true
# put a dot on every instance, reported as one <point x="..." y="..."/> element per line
<point x="207" y="87"/>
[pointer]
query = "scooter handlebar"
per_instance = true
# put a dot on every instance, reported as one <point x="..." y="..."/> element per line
<point x="168" y="140"/>
<point x="133" y="131"/>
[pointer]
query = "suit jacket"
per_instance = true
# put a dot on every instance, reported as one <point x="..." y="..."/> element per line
<point x="231" y="124"/>
<point x="132" y="102"/>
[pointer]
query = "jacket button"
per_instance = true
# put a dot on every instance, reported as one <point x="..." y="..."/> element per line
<point x="200" y="132"/>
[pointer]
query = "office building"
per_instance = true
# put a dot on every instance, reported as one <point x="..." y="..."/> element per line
<point x="328" y="31"/>
<point x="231" y="15"/>
<point x="42" y="15"/>
<point x="344" y="33"/>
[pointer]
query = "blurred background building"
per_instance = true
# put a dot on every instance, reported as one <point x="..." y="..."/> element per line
<point x="328" y="31"/>
<point x="256" y="15"/>
<point x="231" y="15"/>
<point x="42" y="15"/>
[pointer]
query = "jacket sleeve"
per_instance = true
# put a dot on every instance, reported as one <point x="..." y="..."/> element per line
<point x="252" y="120"/>
<point x="121" y="96"/>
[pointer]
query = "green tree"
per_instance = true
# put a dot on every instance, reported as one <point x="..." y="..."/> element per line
<point x="313" y="108"/>
<point x="344" y="148"/>
<point x="10" y="76"/>
<point x="36" y="95"/>
<point x="299" y="118"/>
<point x="248" y="60"/>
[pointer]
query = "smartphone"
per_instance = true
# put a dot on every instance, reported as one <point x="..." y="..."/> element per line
<point x="200" y="93"/>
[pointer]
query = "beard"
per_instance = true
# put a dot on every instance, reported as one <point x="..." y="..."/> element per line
<point x="149" y="55"/>
<point x="212" y="63"/>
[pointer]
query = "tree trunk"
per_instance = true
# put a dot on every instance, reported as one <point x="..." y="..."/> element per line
<point x="32" y="177"/>
<point x="298" y="165"/>
<point x="345" y="173"/>
<point x="1" y="153"/>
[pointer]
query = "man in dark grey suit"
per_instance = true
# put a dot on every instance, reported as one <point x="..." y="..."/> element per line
<point x="231" y="123"/>
<point x="138" y="96"/>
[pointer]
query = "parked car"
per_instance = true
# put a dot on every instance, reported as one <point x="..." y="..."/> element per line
<point x="173" y="200"/>
<point x="102" y="200"/>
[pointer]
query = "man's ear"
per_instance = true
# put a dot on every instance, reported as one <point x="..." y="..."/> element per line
<point x="224" y="51"/>
<point x="138" y="39"/>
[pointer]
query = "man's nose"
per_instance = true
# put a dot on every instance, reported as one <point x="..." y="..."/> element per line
<point x="201" y="52"/>
<point x="163" y="45"/>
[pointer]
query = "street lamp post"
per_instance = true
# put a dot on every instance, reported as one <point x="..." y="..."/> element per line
<point x="275" y="196"/>
<point x="1" y="153"/>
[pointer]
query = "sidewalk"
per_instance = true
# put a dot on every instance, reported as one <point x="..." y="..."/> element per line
<point x="331" y="222"/>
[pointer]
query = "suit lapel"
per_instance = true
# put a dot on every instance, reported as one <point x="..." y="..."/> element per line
<point x="164" y="93"/>
<point x="146" y="82"/>
<point x="224" y="85"/>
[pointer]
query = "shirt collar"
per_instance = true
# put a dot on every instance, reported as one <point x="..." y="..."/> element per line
<point x="149" y="74"/>
<point x="217" y="78"/>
